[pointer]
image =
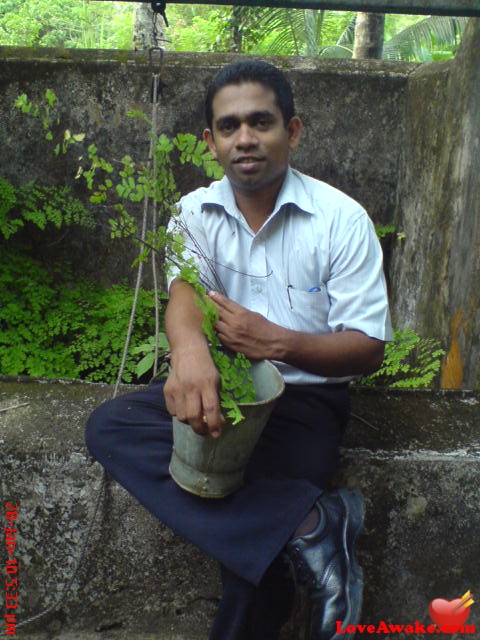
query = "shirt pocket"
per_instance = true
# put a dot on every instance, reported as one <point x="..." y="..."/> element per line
<point x="309" y="310"/>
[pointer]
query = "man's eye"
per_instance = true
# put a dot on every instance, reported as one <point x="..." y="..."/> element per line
<point x="262" y="124"/>
<point x="226" y="127"/>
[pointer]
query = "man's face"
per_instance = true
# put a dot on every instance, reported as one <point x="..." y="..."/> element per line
<point x="249" y="137"/>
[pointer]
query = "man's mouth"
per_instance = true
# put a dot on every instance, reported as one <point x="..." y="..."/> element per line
<point x="247" y="160"/>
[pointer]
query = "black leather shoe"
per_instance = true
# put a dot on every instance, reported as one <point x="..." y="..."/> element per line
<point x="323" y="562"/>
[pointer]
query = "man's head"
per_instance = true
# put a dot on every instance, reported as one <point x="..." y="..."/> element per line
<point x="252" y="126"/>
<point x="253" y="71"/>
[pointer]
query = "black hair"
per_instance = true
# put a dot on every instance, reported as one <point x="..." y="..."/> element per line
<point x="252" y="71"/>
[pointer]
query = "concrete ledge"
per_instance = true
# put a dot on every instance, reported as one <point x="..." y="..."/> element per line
<point x="414" y="455"/>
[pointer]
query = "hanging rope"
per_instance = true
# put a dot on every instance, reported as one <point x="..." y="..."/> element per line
<point x="151" y="166"/>
<point x="156" y="85"/>
<point x="138" y="283"/>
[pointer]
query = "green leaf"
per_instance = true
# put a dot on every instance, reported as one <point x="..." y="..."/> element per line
<point x="145" y="364"/>
<point x="410" y="362"/>
<point x="22" y="103"/>
<point x="50" y="97"/>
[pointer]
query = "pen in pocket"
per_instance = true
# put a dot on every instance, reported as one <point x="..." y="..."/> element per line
<point x="289" y="286"/>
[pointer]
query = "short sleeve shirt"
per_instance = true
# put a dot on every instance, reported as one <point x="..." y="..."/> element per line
<point x="314" y="266"/>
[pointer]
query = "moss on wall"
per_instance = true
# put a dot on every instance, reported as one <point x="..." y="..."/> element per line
<point x="403" y="139"/>
<point x="436" y="269"/>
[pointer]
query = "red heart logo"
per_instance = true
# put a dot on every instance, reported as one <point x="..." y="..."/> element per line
<point x="441" y="612"/>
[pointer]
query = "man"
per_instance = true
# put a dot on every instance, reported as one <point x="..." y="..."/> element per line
<point x="302" y="269"/>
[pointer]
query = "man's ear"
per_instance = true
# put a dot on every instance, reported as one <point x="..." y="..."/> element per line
<point x="294" y="130"/>
<point x="208" y="137"/>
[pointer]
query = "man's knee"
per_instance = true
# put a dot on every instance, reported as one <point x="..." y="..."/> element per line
<point x="96" y="431"/>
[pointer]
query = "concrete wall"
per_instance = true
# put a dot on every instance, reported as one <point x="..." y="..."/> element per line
<point x="353" y="112"/>
<point x="401" y="138"/>
<point x="353" y="115"/>
<point x="435" y="271"/>
<point x="414" y="455"/>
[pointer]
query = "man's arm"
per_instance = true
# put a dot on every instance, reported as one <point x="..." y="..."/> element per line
<point x="335" y="354"/>
<point x="191" y="390"/>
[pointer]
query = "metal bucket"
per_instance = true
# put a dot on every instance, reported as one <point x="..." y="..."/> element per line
<point x="214" y="467"/>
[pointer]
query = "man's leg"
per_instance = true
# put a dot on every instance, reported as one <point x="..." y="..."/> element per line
<point x="295" y="457"/>
<point x="131" y="437"/>
<point x="249" y="612"/>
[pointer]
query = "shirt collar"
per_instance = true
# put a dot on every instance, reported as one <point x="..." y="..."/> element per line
<point x="292" y="192"/>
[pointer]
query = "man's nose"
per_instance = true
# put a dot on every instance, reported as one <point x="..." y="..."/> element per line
<point x="246" y="136"/>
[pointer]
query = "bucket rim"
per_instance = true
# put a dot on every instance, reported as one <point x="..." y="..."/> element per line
<point x="280" y="378"/>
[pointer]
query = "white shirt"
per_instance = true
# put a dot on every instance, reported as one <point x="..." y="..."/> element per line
<point x="314" y="266"/>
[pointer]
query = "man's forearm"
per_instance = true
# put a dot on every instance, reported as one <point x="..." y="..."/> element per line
<point x="334" y="355"/>
<point x="345" y="353"/>
<point x="183" y="319"/>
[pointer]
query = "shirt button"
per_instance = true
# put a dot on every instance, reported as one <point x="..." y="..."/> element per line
<point x="258" y="289"/>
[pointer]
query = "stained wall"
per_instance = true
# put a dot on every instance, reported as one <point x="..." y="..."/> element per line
<point x="403" y="139"/>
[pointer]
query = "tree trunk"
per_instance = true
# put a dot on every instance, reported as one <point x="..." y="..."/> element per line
<point x="143" y="28"/>
<point x="237" y="29"/>
<point x="369" y="28"/>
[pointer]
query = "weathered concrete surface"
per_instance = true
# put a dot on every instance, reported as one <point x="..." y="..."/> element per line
<point x="414" y="455"/>
<point x="404" y="139"/>
<point x="353" y="116"/>
<point x="135" y="572"/>
<point x="435" y="270"/>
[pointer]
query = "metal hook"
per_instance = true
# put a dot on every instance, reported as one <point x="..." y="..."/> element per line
<point x="157" y="84"/>
<point x="159" y="7"/>
<point x="154" y="50"/>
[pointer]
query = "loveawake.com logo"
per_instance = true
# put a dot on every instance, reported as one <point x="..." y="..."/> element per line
<point x="448" y="617"/>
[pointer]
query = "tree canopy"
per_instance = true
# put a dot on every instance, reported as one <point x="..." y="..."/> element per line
<point x="75" y="24"/>
<point x="251" y="30"/>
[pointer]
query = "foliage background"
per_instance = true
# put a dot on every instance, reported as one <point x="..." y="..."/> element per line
<point x="73" y="24"/>
<point x="251" y="30"/>
<point x="57" y="325"/>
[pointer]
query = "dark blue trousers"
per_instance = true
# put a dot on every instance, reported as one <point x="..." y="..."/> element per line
<point x="295" y="458"/>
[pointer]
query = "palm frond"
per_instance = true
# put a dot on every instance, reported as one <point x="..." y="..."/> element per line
<point x="305" y="31"/>
<point x="335" y="51"/>
<point x="313" y="25"/>
<point x="290" y="25"/>
<point x="348" y="35"/>
<point x="416" y="41"/>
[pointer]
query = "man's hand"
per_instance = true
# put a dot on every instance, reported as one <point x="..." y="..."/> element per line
<point x="191" y="392"/>
<point x="338" y="354"/>
<point x="242" y="330"/>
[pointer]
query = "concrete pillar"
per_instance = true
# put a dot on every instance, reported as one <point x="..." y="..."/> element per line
<point x="435" y="269"/>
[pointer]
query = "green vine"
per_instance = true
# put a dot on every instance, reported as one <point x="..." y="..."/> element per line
<point x="135" y="181"/>
<point x="236" y="384"/>
<point x="384" y="230"/>
<point x="39" y="205"/>
<point x="121" y="189"/>
<point x="44" y="112"/>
